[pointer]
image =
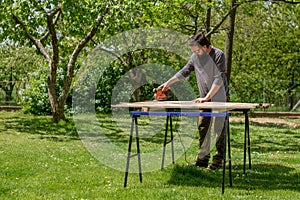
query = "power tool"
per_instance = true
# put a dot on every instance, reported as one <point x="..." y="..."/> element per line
<point x="162" y="94"/>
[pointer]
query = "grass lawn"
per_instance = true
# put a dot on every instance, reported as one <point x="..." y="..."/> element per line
<point x="42" y="160"/>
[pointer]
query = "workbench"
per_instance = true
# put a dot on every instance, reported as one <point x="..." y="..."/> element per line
<point x="171" y="109"/>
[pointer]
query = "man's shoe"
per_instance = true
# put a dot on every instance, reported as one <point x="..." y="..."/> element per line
<point x="198" y="164"/>
<point x="214" y="167"/>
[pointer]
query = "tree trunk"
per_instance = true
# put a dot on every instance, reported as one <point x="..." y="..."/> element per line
<point x="208" y="21"/>
<point x="9" y="88"/>
<point x="8" y="96"/>
<point x="58" y="114"/>
<point x="57" y="107"/>
<point x="229" y="39"/>
<point x="58" y="110"/>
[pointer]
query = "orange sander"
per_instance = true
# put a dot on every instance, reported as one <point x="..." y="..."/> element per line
<point x="162" y="95"/>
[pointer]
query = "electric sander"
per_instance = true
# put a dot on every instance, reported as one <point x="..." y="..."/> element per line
<point x="162" y="94"/>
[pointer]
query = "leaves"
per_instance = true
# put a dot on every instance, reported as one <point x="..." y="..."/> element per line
<point x="266" y="50"/>
<point x="266" y="38"/>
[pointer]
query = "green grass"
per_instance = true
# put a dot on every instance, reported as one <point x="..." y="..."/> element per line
<point x="42" y="160"/>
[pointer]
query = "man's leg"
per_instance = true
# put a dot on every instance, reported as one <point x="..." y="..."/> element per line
<point x="204" y="142"/>
<point x="219" y="128"/>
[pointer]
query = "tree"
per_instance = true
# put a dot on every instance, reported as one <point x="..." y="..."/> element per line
<point x="61" y="30"/>
<point x="58" y="28"/>
<point x="266" y="52"/>
<point x="229" y="37"/>
<point x="231" y="15"/>
<point x="15" y="64"/>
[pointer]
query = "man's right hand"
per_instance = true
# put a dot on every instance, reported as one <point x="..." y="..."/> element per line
<point x="163" y="86"/>
<point x="168" y="83"/>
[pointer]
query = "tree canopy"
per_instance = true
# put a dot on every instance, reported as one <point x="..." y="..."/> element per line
<point x="63" y="32"/>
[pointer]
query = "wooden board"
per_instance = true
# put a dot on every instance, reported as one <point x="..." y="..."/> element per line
<point x="188" y="105"/>
<point x="10" y="108"/>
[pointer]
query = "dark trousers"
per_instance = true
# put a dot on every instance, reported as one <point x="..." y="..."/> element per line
<point x="211" y="130"/>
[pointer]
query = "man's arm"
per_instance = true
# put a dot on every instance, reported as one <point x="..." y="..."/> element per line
<point x="172" y="80"/>
<point x="219" y="60"/>
<point x="213" y="90"/>
<point x="183" y="73"/>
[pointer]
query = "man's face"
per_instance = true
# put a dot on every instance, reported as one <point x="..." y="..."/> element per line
<point x="199" y="50"/>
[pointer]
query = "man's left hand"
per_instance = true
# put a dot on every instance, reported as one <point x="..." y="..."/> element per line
<point x="200" y="100"/>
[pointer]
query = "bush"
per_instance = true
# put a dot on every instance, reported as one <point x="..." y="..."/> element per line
<point x="35" y="96"/>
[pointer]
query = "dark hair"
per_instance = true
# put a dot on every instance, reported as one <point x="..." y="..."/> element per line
<point x="199" y="39"/>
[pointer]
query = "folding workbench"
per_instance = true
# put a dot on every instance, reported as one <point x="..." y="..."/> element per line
<point x="207" y="109"/>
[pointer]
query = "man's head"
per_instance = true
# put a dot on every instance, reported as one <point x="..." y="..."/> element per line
<point x="198" y="43"/>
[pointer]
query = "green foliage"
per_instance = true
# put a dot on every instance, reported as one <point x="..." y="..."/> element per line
<point x="104" y="90"/>
<point x="266" y="47"/>
<point x="35" y="96"/>
<point x="15" y="64"/>
<point x="112" y="75"/>
<point x="71" y="24"/>
<point x="266" y="53"/>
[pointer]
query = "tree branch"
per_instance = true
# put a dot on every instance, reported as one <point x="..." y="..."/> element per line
<point x="88" y="37"/>
<point x="49" y="13"/>
<point x="110" y="52"/>
<point x="186" y="7"/>
<point x="54" y="11"/>
<point x="43" y="38"/>
<point x="248" y="1"/>
<point x="272" y="1"/>
<point x="54" y="40"/>
<point x="286" y="1"/>
<point x="222" y="21"/>
<point x="186" y="26"/>
<point x="37" y="43"/>
<point x="77" y="50"/>
<point x="293" y="87"/>
<point x="114" y="54"/>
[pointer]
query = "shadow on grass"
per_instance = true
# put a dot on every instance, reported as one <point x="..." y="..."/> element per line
<point x="112" y="131"/>
<point x="43" y="126"/>
<point x="262" y="176"/>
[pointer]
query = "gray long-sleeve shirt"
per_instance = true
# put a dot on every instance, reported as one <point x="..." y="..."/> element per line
<point x="209" y="68"/>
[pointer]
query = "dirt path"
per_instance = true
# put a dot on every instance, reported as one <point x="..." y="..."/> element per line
<point x="293" y="123"/>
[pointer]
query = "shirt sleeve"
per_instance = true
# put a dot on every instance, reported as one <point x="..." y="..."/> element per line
<point x="185" y="71"/>
<point x="220" y="75"/>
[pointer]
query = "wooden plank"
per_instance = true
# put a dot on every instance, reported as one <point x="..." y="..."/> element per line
<point x="10" y="108"/>
<point x="276" y="114"/>
<point x="188" y="105"/>
<point x="296" y="106"/>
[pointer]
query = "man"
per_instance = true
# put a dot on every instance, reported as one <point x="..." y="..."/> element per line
<point x="208" y="63"/>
